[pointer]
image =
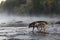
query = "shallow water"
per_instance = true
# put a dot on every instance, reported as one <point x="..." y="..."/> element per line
<point x="24" y="33"/>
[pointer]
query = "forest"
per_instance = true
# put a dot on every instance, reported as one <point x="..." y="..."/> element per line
<point x="32" y="7"/>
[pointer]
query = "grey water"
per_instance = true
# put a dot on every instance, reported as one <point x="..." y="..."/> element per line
<point x="24" y="33"/>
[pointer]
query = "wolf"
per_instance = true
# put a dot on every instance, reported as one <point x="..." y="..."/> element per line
<point x="38" y="25"/>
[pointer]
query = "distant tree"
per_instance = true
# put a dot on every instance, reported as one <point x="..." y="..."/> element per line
<point x="10" y="4"/>
<point x="36" y="5"/>
<point x="32" y="6"/>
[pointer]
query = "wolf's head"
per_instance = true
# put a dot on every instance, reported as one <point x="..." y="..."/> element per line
<point x="31" y="24"/>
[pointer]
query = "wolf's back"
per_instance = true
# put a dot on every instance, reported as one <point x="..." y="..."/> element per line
<point x="41" y="22"/>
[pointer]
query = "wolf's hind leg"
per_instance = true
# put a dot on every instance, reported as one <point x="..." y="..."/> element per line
<point x="44" y="29"/>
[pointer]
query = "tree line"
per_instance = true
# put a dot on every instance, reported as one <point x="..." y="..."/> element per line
<point x="32" y="6"/>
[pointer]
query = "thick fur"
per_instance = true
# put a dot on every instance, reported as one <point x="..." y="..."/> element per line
<point x="38" y="25"/>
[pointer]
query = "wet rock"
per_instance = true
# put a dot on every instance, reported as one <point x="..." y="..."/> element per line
<point x="15" y="24"/>
<point x="19" y="22"/>
<point x="3" y="23"/>
<point x="57" y="22"/>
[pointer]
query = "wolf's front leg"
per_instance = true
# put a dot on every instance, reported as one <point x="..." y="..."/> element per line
<point x="33" y="29"/>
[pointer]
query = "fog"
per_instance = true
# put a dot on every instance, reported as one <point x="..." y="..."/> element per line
<point x="4" y="17"/>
